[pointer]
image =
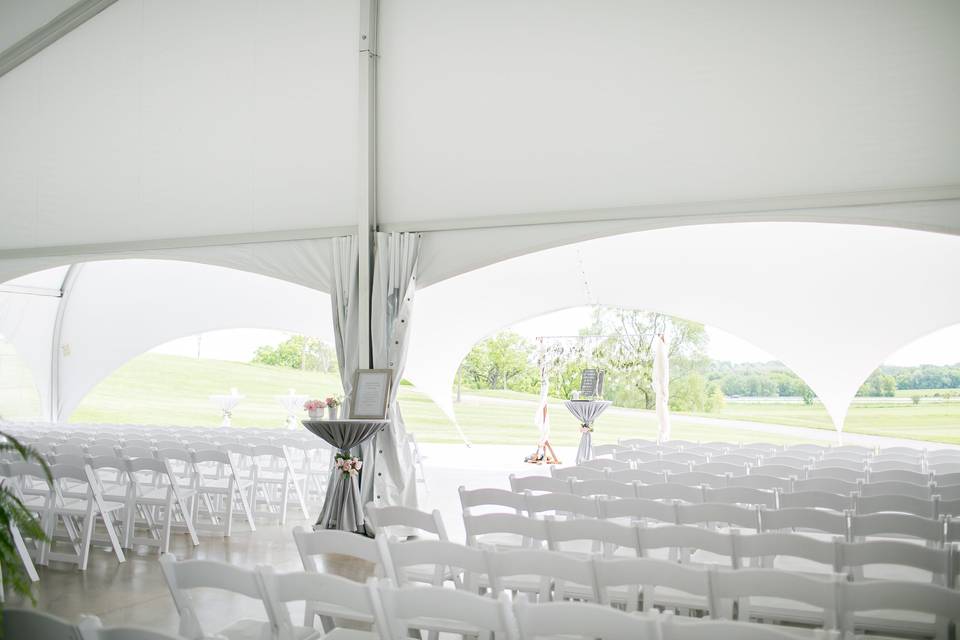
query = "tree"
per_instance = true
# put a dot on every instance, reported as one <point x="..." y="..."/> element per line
<point x="298" y="352"/>
<point x="627" y="350"/>
<point x="501" y="362"/>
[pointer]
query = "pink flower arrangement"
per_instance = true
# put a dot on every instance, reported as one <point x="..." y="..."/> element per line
<point x="332" y="401"/>
<point x="315" y="405"/>
<point x="586" y="429"/>
<point x="350" y="466"/>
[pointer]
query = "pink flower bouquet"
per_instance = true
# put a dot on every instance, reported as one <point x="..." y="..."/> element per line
<point x="350" y="466"/>
<point x="315" y="405"/>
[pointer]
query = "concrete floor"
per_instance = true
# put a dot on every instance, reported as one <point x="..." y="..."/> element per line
<point x="134" y="592"/>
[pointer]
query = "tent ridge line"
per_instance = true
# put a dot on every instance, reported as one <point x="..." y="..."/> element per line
<point x="704" y="212"/>
<point x="128" y="246"/>
<point x="39" y="39"/>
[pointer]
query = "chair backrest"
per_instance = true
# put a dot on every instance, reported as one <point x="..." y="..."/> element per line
<point x="577" y="473"/>
<point x="786" y="461"/>
<point x="457" y="607"/>
<point x="740" y="585"/>
<point x="604" y="487"/>
<point x="897" y="524"/>
<point x="611" y="535"/>
<point x="561" y="504"/>
<point x="539" y="483"/>
<point x="685" y="457"/>
<point x="842" y="463"/>
<point x="774" y="545"/>
<point x="327" y="594"/>
<point x="90" y="628"/>
<point x="827" y="485"/>
<point x="937" y="562"/>
<point x="638" y="509"/>
<point x="638" y="443"/>
<point x="837" y="473"/>
<point x="735" y="458"/>
<point x="804" y="519"/>
<point x="106" y="450"/>
<point x="134" y="451"/>
<point x="579" y="620"/>
<point x="686" y="539"/>
<point x="948" y="507"/>
<point x="923" y="507"/>
<point x="894" y="465"/>
<point x="816" y="500"/>
<point x="678" y="629"/>
<point x="780" y="471"/>
<point x="664" y="465"/>
<point x="899" y="475"/>
<point x="741" y="495"/>
<point x="468" y="562"/>
<point x="552" y="568"/>
<point x="700" y="514"/>
<point x="759" y="480"/>
<point x="636" y="455"/>
<point x="605" y="463"/>
<point x="382" y="518"/>
<point x="670" y="491"/>
<point x="503" y="523"/>
<point x="491" y="500"/>
<point x="607" y="449"/>
<point x="896" y="488"/>
<point x="697" y="478"/>
<point x="311" y="544"/>
<point x="894" y="595"/>
<point x="638" y="475"/>
<point x="944" y="479"/>
<point x="191" y="574"/>
<point x="649" y="574"/>
<point x="29" y="623"/>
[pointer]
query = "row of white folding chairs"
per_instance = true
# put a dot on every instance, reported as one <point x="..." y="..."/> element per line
<point x="765" y="448"/>
<point x="31" y="623"/>
<point x="439" y="609"/>
<point x="780" y="467"/>
<point x="860" y="498"/>
<point x="722" y="474"/>
<point x="934" y="531"/>
<point x="552" y="575"/>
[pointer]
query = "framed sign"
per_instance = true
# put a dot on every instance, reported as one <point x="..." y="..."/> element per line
<point x="371" y="390"/>
<point x="591" y="383"/>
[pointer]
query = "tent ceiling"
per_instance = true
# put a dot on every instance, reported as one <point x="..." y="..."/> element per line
<point x="830" y="301"/>
<point x="19" y="18"/>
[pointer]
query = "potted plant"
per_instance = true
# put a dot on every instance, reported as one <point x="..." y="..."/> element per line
<point x="315" y="408"/>
<point x="14" y="515"/>
<point x="333" y="406"/>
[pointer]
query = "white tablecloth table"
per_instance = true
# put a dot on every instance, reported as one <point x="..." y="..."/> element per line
<point x="586" y="411"/>
<point x="292" y="403"/>
<point x="226" y="403"/>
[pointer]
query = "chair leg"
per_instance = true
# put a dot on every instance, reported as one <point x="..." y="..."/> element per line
<point x="246" y="507"/>
<point x="228" y="526"/>
<point x="24" y="554"/>
<point x="188" y="521"/>
<point x="87" y="536"/>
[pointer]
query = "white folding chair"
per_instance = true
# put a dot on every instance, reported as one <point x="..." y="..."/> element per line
<point x="661" y="466"/>
<point x="30" y="624"/>
<point x="638" y="510"/>
<point x="674" y="628"/>
<point x="398" y="521"/>
<point x="698" y="478"/>
<point x="788" y="552"/>
<point x="491" y="500"/>
<point x="561" y="504"/>
<point x="858" y="465"/>
<point x="896" y="488"/>
<point x="785" y="461"/>
<point x="579" y="620"/>
<point x="186" y="575"/>
<point x="758" y="480"/>
<point x="441" y="610"/>
<point x="156" y="505"/>
<point x="578" y="473"/>
<point x="722" y="468"/>
<point x="894" y="465"/>
<point x="603" y="463"/>
<point x="638" y="475"/>
<point x="900" y="608"/>
<point x="741" y="495"/>
<point x="276" y="480"/>
<point x="661" y="583"/>
<point x="636" y="455"/>
<point x="897" y="560"/>
<point x="837" y="473"/>
<point x="504" y="531"/>
<point x="818" y="521"/>
<point x="827" y="485"/>
<point x="607" y="449"/>
<point x="816" y="500"/>
<point x="584" y="536"/>
<point x="897" y="525"/>
<point x="228" y="490"/>
<point x="923" y="507"/>
<point x="670" y="491"/>
<point x="547" y="575"/>
<point x="735" y="458"/>
<point x="90" y="628"/>
<point x="329" y="596"/>
<point x="773" y="595"/>
<point x="433" y="562"/>
<point x="729" y="515"/>
<point x="684" y="542"/>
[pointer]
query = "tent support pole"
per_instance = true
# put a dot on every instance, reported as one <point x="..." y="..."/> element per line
<point x="56" y="343"/>
<point x="367" y="168"/>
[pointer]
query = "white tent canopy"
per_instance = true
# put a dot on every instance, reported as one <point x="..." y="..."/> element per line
<point x="244" y="134"/>
<point x="830" y="301"/>
<point x="75" y="325"/>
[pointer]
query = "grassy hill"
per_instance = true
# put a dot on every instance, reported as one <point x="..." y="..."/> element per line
<point x="163" y="389"/>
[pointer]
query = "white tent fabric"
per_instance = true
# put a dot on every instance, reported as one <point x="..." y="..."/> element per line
<point x="115" y="310"/>
<point x="661" y="386"/>
<point x="830" y="301"/>
<point x="344" y="303"/>
<point x="394" y="288"/>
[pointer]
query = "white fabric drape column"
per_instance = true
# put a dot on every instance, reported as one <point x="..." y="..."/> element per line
<point x="394" y="285"/>
<point x="344" y="301"/>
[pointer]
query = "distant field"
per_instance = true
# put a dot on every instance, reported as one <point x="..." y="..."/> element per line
<point x="163" y="389"/>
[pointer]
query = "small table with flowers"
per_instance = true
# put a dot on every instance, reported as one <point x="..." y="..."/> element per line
<point x="342" y="508"/>
<point x="586" y="411"/>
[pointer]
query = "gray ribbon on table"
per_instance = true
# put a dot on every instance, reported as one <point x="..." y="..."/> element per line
<point x="586" y="412"/>
<point x="342" y="507"/>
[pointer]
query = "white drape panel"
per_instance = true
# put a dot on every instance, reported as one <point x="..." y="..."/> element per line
<point x="394" y="285"/>
<point x="661" y="386"/>
<point x="344" y="302"/>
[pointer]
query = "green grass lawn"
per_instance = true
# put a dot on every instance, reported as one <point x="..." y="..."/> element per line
<point x="162" y="389"/>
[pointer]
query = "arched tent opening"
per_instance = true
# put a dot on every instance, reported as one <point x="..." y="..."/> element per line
<point x="826" y="299"/>
<point x="75" y="325"/>
<point x="19" y="398"/>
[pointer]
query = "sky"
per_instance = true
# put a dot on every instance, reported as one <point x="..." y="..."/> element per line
<point x="942" y="347"/>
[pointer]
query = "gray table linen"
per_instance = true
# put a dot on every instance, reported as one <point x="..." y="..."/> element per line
<point x="586" y="411"/>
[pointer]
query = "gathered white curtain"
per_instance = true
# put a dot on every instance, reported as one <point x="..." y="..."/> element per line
<point x="394" y="285"/>
<point x="344" y="301"/>
<point x="661" y="386"/>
